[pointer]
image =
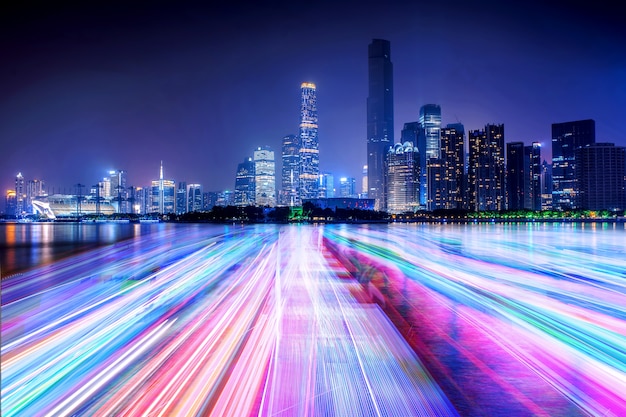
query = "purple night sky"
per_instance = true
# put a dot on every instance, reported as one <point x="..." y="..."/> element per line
<point x="86" y="87"/>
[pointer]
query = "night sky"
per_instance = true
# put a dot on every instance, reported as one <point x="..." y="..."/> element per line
<point x="92" y="86"/>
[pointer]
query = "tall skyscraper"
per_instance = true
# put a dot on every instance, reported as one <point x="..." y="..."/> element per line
<point x="326" y="186"/>
<point x="601" y="177"/>
<point x="181" y="198"/>
<point x="265" y="177"/>
<point x="119" y="191"/>
<point x="486" y="169"/>
<point x="245" y="184"/>
<point x="163" y="195"/>
<point x="532" y="176"/>
<point x="566" y="138"/>
<point x="515" y="174"/>
<point x="20" y="195"/>
<point x="379" y="118"/>
<point x="309" y="145"/>
<point x="403" y="178"/>
<point x="364" y="182"/>
<point x="429" y="139"/>
<point x="347" y="187"/>
<point x="289" y="193"/>
<point x="447" y="190"/>
<point x="194" y="198"/>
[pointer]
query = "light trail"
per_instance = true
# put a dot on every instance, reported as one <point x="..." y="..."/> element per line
<point x="398" y="320"/>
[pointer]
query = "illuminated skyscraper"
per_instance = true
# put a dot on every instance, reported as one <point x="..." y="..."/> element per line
<point x="486" y="169"/>
<point x="447" y="179"/>
<point x="566" y="138"/>
<point x="289" y="193"/>
<point x="194" y="198"/>
<point x="429" y="138"/>
<point x="119" y="191"/>
<point x="20" y="195"/>
<point x="347" y="187"/>
<point x="379" y="118"/>
<point x="245" y="194"/>
<point x="181" y="198"/>
<point x="326" y="185"/>
<point x="265" y="177"/>
<point x="532" y="177"/>
<point x="163" y="195"/>
<point x="403" y="178"/>
<point x="309" y="145"/>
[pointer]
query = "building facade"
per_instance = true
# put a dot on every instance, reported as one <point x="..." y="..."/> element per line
<point x="403" y="178"/>
<point x="447" y="179"/>
<point x="194" y="198"/>
<point x="265" y="177"/>
<point x="379" y="118"/>
<point x="486" y="170"/>
<point x="601" y="177"/>
<point x="290" y="189"/>
<point x="566" y="138"/>
<point x="245" y="184"/>
<point x="309" y="145"/>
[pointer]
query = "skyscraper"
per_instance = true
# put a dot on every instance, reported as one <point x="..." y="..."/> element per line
<point x="194" y="198"/>
<point x="566" y="138"/>
<point x="429" y="137"/>
<point x="309" y="145"/>
<point x="20" y="195"/>
<point x="403" y="178"/>
<point x="515" y="174"/>
<point x="600" y="177"/>
<point x="265" y="177"/>
<point x="181" y="198"/>
<point x="245" y="184"/>
<point x="447" y="190"/>
<point x="532" y="176"/>
<point x="486" y="169"/>
<point x="379" y="118"/>
<point x="347" y="187"/>
<point x="326" y="185"/>
<point x="163" y="195"/>
<point x="289" y="193"/>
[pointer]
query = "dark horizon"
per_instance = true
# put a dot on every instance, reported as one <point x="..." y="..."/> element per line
<point x="88" y="88"/>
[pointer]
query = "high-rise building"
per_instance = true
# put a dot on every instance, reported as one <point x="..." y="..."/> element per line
<point x="429" y="137"/>
<point x="34" y="189"/>
<point x="546" y="185"/>
<point x="289" y="193"/>
<point x="403" y="178"/>
<point x="118" y="190"/>
<point x="601" y="177"/>
<point x="515" y="174"/>
<point x="245" y="184"/>
<point x="20" y="195"/>
<point x="10" y="203"/>
<point x="364" y="182"/>
<point x="566" y="138"/>
<point x="326" y="186"/>
<point x="265" y="177"/>
<point x="210" y="199"/>
<point x="309" y="145"/>
<point x="486" y="172"/>
<point x="447" y="179"/>
<point x="411" y="133"/>
<point x="194" y="198"/>
<point x="379" y="118"/>
<point x="163" y="195"/>
<point x="181" y="198"/>
<point x="532" y="176"/>
<point x="347" y="187"/>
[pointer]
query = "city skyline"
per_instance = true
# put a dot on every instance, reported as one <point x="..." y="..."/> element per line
<point x="88" y="90"/>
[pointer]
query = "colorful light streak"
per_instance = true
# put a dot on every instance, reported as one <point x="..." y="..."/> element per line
<point x="198" y="321"/>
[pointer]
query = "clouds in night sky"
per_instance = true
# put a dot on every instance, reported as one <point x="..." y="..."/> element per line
<point x="92" y="86"/>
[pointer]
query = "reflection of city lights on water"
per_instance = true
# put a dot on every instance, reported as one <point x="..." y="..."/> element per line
<point x="335" y="320"/>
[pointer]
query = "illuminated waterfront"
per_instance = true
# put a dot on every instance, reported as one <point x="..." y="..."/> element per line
<point x="320" y="320"/>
